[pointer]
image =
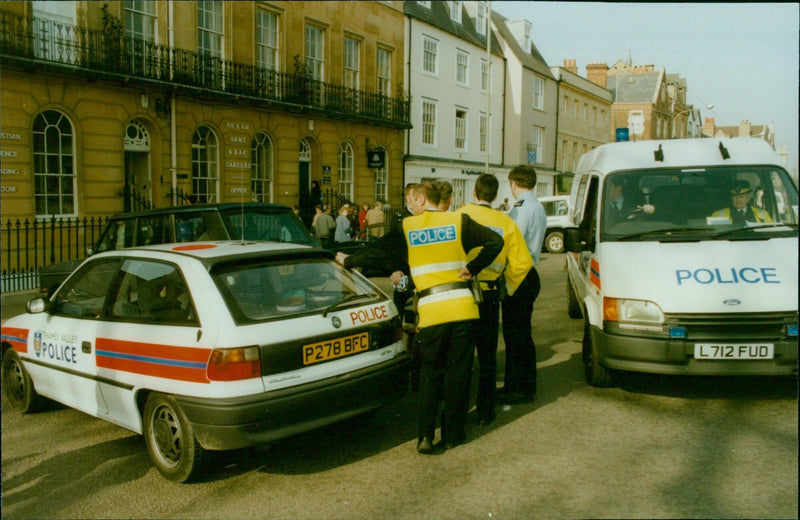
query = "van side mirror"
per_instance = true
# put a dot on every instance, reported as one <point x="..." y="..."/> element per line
<point x="574" y="241"/>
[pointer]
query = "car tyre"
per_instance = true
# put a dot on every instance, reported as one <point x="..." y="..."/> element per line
<point x="573" y="305"/>
<point x="17" y="384"/>
<point x="170" y="439"/>
<point x="596" y="374"/>
<point x="555" y="242"/>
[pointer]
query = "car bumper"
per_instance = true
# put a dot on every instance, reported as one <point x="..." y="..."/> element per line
<point x="224" y="424"/>
<point x="676" y="357"/>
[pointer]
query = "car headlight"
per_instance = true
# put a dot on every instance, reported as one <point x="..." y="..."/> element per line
<point x="633" y="314"/>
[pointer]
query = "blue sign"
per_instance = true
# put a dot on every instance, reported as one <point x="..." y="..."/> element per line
<point x="622" y="134"/>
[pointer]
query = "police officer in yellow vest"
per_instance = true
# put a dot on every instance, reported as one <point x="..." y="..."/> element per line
<point x="740" y="212"/>
<point x="503" y="276"/>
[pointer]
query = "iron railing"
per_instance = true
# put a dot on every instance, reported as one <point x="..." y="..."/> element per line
<point x="29" y="39"/>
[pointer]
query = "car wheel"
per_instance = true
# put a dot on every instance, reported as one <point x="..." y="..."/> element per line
<point x="17" y="384"/>
<point x="170" y="440"/>
<point x="555" y="242"/>
<point x="596" y="374"/>
<point x="573" y="305"/>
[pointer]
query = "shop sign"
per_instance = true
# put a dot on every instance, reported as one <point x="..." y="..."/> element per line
<point x="376" y="158"/>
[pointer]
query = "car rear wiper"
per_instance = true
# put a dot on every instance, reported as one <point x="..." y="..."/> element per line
<point x="351" y="298"/>
<point x="726" y="233"/>
<point x="665" y="232"/>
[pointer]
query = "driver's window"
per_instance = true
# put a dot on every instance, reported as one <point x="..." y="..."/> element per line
<point x="84" y="293"/>
<point x="118" y="235"/>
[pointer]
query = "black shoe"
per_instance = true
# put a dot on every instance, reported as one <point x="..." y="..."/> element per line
<point x="425" y="446"/>
<point x="486" y="421"/>
<point x="515" y="398"/>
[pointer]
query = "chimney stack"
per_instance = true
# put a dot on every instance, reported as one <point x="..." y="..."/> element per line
<point x="571" y="66"/>
<point x="597" y="73"/>
<point x="709" y="127"/>
<point x="744" y="128"/>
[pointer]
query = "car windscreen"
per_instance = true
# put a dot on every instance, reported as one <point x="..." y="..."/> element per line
<point x="731" y="202"/>
<point x="265" y="224"/>
<point x="258" y="290"/>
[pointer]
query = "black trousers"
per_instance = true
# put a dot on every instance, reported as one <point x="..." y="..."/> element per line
<point x="486" y="330"/>
<point x="520" y="350"/>
<point x="447" y="353"/>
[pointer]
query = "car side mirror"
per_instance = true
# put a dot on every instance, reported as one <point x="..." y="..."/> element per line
<point x="37" y="305"/>
<point x="574" y="242"/>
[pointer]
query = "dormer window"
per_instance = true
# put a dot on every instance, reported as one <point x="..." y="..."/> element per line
<point x="455" y="11"/>
<point x="480" y="21"/>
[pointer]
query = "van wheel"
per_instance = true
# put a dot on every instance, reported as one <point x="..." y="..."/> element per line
<point x="573" y="305"/>
<point x="555" y="242"/>
<point x="17" y="384"/>
<point x="596" y="374"/>
<point x="170" y="440"/>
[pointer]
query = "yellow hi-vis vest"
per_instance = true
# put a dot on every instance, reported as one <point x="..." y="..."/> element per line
<point x="435" y="255"/>
<point x="514" y="258"/>
<point x="760" y="214"/>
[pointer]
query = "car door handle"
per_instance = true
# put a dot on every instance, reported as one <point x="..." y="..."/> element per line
<point x="86" y="347"/>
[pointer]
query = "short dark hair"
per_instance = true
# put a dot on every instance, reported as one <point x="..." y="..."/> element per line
<point x="445" y="190"/>
<point x="524" y="176"/>
<point x="486" y="186"/>
<point x="430" y="190"/>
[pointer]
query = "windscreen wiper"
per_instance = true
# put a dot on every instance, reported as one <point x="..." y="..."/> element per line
<point x="667" y="232"/>
<point x="351" y="298"/>
<point x="729" y="232"/>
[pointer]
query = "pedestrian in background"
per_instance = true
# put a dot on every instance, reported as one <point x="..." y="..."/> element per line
<point x="323" y="225"/>
<point x="362" y="216"/>
<point x="502" y="277"/>
<point x="375" y="216"/>
<point x="530" y="217"/>
<point x="343" y="226"/>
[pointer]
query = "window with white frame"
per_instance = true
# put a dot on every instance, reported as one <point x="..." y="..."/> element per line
<point x="261" y="168"/>
<point x="384" y="72"/>
<point x="209" y="28"/>
<point x="460" y="142"/>
<point x="481" y="18"/>
<point x="53" y="164"/>
<point x="267" y="39"/>
<point x="315" y="52"/>
<point x="428" y="122"/>
<point x="430" y="56"/>
<point x="455" y="10"/>
<point x="48" y="18"/>
<point x="462" y="67"/>
<point x="352" y="63"/>
<point x="538" y="93"/>
<point x="346" y="170"/>
<point x="484" y="132"/>
<point x="140" y="20"/>
<point x="535" y="148"/>
<point x="484" y="76"/>
<point x="205" y="165"/>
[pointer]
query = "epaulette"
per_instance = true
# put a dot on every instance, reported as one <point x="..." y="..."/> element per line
<point x="518" y="204"/>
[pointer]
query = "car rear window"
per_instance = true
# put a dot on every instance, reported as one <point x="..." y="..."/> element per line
<point x="261" y="290"/>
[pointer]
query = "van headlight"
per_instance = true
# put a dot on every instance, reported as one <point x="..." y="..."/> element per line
<point x="633" y="314"/>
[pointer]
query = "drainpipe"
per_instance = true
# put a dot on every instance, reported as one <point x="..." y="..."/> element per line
<point x="173" y="163"/>
<point x="555" y="147"/>
<point x="408" y="132"/>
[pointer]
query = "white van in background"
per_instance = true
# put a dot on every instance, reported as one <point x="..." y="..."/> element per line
<point x="557" y="210"/>
<point x="673" y="280"/>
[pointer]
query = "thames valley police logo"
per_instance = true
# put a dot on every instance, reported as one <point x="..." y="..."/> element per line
<point x="37" y="343"/>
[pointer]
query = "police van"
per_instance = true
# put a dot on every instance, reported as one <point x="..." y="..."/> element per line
<point x="683" y="259"/>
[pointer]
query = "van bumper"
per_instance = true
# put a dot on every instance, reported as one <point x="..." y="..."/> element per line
<point x="232" y="423"/>
<point x="676" y="357"/>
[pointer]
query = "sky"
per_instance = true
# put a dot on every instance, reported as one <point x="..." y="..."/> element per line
<point x="740" y="57"/>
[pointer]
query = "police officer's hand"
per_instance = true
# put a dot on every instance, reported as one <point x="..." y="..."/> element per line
<point x="464" y="274"/>
<point x="395" y="277"/>
<point x="340" y="257"/>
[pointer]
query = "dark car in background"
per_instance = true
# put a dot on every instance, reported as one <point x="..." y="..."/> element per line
<point x="227" y="221"/>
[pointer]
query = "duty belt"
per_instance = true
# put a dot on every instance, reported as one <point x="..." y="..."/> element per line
<point x="492" y="284"/>
<point x="442" y="288"/>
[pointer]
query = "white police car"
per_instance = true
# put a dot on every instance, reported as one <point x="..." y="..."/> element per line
<point x="208" y="346"/>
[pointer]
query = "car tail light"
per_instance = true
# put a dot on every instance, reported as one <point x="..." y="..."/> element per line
<point x="234" y="364"/>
